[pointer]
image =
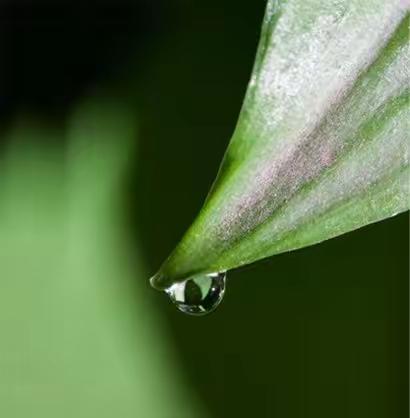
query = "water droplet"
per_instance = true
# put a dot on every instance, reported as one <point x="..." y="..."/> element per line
<point x="198" y="295"/>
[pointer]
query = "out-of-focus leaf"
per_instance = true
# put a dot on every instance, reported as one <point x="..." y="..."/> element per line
<point x="78" y="337"/>
<point x="321" y="145"/>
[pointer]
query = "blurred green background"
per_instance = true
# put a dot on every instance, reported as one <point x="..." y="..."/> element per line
<point x="114" y="116"/>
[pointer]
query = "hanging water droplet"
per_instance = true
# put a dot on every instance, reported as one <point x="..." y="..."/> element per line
<point x="198" y="295"/>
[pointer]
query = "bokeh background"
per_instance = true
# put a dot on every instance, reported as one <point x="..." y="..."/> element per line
<point x="114" y="116"/>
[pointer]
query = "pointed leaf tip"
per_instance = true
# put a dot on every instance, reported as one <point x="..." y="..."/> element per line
<point x="321" y="144"/>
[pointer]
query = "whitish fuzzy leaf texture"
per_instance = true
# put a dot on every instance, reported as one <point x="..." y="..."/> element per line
<point x="321" y="145"/>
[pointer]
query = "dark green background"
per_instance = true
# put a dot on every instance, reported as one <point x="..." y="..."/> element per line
<point x="321" y="332"/>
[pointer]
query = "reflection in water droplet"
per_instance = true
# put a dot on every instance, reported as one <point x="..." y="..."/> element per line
<point x="198" y="295"/>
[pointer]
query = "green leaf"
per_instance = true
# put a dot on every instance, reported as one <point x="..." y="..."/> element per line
<point x="78" y="335"/>
<point x="320" y="147"/>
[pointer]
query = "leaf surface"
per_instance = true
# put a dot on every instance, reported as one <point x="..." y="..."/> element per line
<point x="321" y="144"/>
